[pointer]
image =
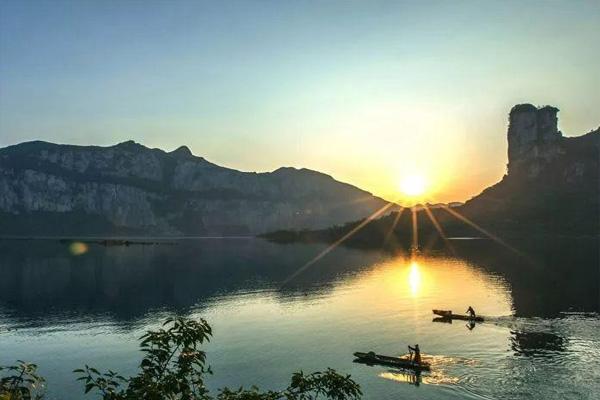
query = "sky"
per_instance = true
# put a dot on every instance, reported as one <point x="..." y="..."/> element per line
<point x="370" y="92"/>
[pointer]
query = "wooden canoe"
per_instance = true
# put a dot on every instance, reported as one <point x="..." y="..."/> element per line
<point x="449" y="315"/>
<point x="399" y="362"/>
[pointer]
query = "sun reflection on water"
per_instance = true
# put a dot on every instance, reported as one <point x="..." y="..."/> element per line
<point x="415" y="285"/>
<point x="434" y="378"/>
<point x="414" y="278"/>
<point x="440" y="373"/>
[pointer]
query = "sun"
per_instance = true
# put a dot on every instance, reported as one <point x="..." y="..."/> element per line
<point x="413" y="185"/>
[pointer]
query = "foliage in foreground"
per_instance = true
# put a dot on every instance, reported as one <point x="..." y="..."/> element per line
<point x="20" y="382"/>
<point x="173" y="367"/>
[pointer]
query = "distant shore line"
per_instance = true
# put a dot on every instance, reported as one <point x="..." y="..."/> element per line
<point x="275" y="237"/>
<point x="111" y="241"/>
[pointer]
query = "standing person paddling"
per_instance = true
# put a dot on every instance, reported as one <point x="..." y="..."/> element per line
<point x="416" y="358"/>
<point x="471" y="312"/>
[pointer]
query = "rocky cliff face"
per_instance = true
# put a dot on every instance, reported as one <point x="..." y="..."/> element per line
<point x="47" y="188"/>
<point x="552" y="182"/>
<point x="532" y="136"/>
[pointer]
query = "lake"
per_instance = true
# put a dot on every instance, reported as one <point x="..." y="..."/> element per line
<point x="65" y="306"/>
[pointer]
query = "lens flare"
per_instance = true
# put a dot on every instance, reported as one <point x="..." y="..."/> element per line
<point x="78" y="248"/>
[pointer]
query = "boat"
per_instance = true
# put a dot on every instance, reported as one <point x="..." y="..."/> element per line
<point x="447" y="314"/>
<point x="399" y="362"/>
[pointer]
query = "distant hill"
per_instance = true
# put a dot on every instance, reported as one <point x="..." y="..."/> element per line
<point x="552" y="186"/>
<point x="129" y="189"/>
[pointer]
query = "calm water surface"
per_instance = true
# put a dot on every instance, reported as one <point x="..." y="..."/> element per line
<point x="541" y="338"/>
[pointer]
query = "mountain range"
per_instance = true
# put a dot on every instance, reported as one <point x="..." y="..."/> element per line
<point x="551" y="185"/>
<point x="130" y="189"/>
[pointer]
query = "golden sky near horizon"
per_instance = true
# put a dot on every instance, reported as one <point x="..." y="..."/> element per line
<point x="368" y="92"/>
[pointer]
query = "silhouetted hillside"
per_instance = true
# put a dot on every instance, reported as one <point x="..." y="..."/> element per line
<point x="552" y="187"/>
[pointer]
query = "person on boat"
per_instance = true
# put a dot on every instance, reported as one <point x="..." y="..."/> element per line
<point x="471" y="312"/>
<point x="415" y="354"/>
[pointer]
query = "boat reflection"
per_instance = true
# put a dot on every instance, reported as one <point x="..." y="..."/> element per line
<point x="470" y="325"/>
<point x="403" y="377"/>
<point x="438" y="375"/>
<point x="417" y="378"/>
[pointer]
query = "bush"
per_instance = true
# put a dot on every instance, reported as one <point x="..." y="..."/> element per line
<point x="20" y="382"/>
<point x="173" y="368"/>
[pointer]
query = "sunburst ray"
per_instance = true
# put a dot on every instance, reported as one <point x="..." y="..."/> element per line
<point x="389" y="233"/>
<point x="337" y="242"/>
<point x="480" y="229"/>
<point x="438" y="227"/>
<point x="415" y="231"/>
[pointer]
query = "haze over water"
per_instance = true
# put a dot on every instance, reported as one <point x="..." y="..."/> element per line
<point x="540" y="338"/>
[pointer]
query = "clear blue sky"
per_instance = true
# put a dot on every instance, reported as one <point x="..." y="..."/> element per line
<point x="363" y="90"/>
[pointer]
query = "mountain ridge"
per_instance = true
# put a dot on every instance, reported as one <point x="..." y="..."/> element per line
<point x="137" y="189"/>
